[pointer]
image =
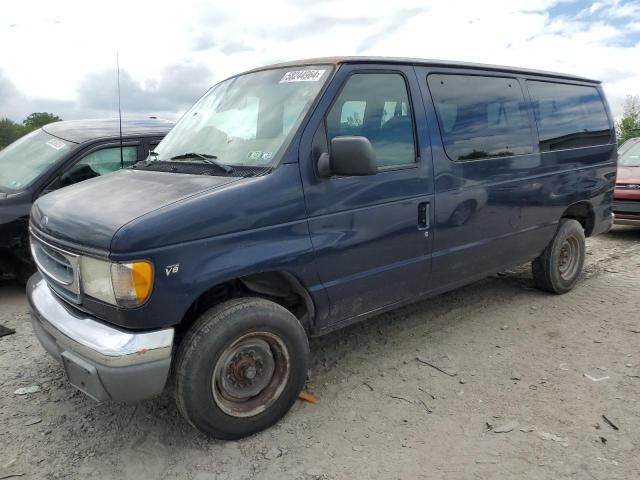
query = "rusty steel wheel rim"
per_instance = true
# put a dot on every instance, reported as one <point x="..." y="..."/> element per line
<point x="251" y="374"/>
<point x="569" y="258"/>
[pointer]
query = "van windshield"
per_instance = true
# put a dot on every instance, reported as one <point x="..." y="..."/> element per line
<point x="631" y="157"/>
<point x="246" y="120"/>
<point x="28" y="157"/>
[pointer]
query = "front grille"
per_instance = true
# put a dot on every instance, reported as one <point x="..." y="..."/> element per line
<point x="59" y="267"/>
<point x="53" y="263"/>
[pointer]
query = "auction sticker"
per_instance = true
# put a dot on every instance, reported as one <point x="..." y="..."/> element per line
<point x="302" y="76"/>
<point x="57" y="144"/>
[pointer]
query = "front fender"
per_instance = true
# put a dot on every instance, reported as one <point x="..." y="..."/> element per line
<point x="184" y="272"/>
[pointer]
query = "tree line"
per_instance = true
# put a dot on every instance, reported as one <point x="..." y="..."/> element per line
<point x="629" y="124"/>
<point x="10" y="131"/>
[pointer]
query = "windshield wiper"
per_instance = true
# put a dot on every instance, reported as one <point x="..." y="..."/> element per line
<point x="204" y="157"/>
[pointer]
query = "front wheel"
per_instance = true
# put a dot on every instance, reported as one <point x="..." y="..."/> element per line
<point x="559" y="266"/>
<point x="240" y="368"/>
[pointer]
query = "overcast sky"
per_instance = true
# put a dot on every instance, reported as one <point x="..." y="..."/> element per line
<point x="59" y="56"/>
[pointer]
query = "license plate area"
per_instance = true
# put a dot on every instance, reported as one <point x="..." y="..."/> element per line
<point x="84" y="376"/>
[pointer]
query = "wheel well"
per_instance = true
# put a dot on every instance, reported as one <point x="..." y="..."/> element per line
<point x="470" y="201"/>
<point x="280" y="287"/>
<point x="583" y="213"/>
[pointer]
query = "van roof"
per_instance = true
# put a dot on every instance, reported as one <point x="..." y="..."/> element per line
<point x="80" y="131"/>
<point x="422" y="62"/>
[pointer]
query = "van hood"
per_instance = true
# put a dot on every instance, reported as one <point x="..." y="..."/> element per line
<point x="91" y="212"/>
<point x="628" y="175"/>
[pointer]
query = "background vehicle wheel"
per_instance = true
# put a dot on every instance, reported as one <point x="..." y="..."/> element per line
<point x="240" y="368"/>
<point x="559" y="266"/>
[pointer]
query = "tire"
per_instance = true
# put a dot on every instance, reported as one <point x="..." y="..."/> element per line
<point x="559" y="266"/>
<point x="240" y="368"/>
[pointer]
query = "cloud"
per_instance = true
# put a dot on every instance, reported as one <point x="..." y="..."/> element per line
<point x="8" y="91"/>
<point x="203" y="41"/>
<point x="97" y="95"/>
<point x="16" y="105"/>
<point x="176" y="89"/>
<point x="169" y="60"/>
<point x="206" y="40"/>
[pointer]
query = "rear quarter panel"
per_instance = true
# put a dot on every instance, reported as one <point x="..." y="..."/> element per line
<point x="518" y="200"/>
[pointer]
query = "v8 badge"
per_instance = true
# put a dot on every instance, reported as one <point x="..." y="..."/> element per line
<point x="171" y="269"/>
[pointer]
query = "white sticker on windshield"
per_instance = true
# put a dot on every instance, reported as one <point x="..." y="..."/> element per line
<point x="302" y="76"/>
<point x="57" y="144"/>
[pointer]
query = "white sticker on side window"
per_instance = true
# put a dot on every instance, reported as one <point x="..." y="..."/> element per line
<point x="57" y="144"/>
<point x="302" y="76"/>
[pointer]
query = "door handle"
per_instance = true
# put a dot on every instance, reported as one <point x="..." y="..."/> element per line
<point x="424" y="215"/>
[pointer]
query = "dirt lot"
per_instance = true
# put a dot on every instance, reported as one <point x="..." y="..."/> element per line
<point x="515" y="359"/>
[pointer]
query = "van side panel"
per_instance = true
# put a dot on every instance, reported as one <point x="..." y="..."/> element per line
<point x="584" y="164"/>
<point x="508" y="207"/>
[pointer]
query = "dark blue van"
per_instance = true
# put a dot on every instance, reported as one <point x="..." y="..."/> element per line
<point x="299" y="198"/>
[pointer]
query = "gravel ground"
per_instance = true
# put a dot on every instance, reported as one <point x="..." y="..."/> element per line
<point x="517" y="397"/>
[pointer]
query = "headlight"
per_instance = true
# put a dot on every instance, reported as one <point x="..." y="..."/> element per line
<point x="122" y="284"/>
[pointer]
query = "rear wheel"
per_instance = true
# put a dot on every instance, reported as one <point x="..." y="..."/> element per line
<point x="559" y="266"/>
<point x="240" y="368"/>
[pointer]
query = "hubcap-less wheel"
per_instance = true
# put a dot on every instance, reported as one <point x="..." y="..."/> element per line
<point x="250" y="374"/>
<point x="557" y="269"/>
<point x="568" y="260"/>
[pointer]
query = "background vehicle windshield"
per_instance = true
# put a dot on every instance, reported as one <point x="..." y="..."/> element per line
<point x="631" y="157"/>
<point x="247" y="120"/>
<point x="28" y="157"/>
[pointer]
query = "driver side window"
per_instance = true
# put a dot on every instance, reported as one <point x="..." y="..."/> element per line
<point x="376" y="106"/>
<point x="99" y="162"/>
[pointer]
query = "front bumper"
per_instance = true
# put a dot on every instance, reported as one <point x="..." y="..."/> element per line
<point x="104" y="362"/>
<point x="627" y="212"/>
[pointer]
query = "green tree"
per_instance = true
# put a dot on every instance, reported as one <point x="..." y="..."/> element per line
<point x="39" y="119"/>
<point x="629" y="124"/>
<point x="10" y="131"/>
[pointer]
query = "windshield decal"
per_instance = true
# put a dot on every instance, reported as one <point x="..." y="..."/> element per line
<point x="259" y="155"/>
<point x="56" y="144"/>
<point x="302" y="76"/>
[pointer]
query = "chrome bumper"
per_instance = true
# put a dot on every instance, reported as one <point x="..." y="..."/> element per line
<point x="627" y="212"/>
<point x="627" y="221"/>
<point x="103" y="361"/>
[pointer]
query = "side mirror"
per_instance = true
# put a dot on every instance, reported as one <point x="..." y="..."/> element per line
<point x="350" y="156"/>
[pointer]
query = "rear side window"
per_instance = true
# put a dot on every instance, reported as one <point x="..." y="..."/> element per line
<point x="481" y="117"/>
<point x="569" y="116"/>
<point x="376" y="106"/>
